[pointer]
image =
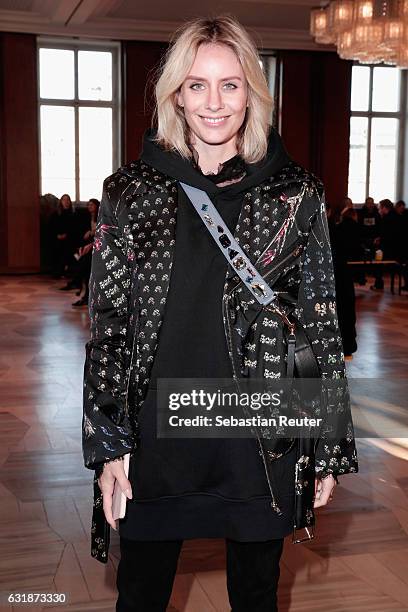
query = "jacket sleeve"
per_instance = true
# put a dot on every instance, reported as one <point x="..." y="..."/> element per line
<point x="106" y="430"/>
<point x="317" y="312"/>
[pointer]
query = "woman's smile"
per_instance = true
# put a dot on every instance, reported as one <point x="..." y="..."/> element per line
<point x="214" y="121"/>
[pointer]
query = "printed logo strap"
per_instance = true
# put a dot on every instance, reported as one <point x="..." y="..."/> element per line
<point x="228" y="245"/>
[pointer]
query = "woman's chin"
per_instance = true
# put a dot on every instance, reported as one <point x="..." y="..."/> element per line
<point x="213" y="137"/>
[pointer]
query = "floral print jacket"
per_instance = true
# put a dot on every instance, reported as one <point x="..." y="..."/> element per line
<point x="283" y="229"/>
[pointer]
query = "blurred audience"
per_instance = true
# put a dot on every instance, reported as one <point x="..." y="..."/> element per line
<point x="356" y="235"/>
<point x="67" y="237"/>
<point x="383" y="236"/>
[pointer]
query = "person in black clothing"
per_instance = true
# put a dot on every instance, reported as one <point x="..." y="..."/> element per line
<point x="387" y="240"/>
<point x="402" y="222"/>
<point x="212" y="85"/>
<point x="389" y="222"/>
<point x="369" y="219"/>
<point x="400" y="208"/>
<point x="216" y="484"/>
<point x="346" y="246"/>
<point x="84" y="254"/>
<point x="64" y="236"/>
<point x="350" y="234"/>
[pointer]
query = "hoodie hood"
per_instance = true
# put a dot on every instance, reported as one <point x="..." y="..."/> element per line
<point x="173" y="165"/>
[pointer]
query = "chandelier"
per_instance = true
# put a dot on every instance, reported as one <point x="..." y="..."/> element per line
<point x="370" y="31"/>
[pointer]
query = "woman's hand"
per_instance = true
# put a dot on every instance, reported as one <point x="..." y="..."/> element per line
<point x="87" y="235"/>
<point x="113" y="471"/>
<point x="323" y="490"/>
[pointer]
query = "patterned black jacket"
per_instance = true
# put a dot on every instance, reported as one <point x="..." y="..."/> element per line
<point x="283" y="229"/>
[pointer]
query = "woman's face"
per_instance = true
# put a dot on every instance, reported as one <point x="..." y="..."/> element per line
<point x="65" y="202"/>
<point x="214" y="95"/>
<point x="91" y="207"/>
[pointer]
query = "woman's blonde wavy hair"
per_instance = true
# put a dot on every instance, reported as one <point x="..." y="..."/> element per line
<point x="172" y="129"/>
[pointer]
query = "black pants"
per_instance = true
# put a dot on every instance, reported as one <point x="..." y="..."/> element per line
<point x="147" y="570"/>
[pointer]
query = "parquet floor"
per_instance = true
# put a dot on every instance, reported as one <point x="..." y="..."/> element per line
<point x="358" y="561"/>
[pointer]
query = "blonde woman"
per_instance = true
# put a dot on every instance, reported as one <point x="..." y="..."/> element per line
<point x="165" y="303"/>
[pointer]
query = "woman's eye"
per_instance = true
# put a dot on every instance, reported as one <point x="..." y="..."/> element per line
<point x="230" y="86"/>
<point x="196" y="86"/>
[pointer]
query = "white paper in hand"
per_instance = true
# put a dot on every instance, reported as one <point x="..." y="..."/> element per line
<point x="119" y="498"/>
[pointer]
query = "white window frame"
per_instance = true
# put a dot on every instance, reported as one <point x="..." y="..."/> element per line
<point x="77" y="44"/>
<point x="400" y="115"/>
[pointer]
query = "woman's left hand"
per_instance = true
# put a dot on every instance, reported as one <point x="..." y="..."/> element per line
<point x="324" y="490"/>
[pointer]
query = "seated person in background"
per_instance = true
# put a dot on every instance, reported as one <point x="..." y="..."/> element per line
<point x="84" y="254"/>
<point x="369" y="220"/>
<point x="350" y="236"/>
<point x="387" y="240"/>
<point x="349" y="232"/>
<point x="63" y="234"/>
<point x="400" y="208"/>
<point x="388" y="230"/>
<point x="347" y="203"/>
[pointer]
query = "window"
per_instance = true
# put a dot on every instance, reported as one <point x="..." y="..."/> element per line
<point x="269" y="66"/>
<point x="377" y="95"/>
<point x="79" y="116"/>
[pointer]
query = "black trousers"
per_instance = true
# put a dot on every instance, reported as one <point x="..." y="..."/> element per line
<point x="147" y="570"/>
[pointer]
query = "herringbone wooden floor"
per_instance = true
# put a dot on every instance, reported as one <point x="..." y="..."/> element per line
<point x="358" y="561"/>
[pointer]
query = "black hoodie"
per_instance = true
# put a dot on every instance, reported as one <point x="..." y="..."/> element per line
<point x="193" y="308"/>
<point x="202" y="487"/>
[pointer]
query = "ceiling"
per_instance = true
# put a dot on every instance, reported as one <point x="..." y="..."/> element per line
<point x="275" y="24"/>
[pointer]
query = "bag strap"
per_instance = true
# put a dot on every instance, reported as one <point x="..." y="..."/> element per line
<point x="228" y="245"/>
<point x="300" y="357"/>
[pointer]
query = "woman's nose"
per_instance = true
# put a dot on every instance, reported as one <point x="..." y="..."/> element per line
<point x="214" y="101"/>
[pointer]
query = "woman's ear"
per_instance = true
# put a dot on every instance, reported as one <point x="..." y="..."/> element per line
<point x="179" y="99"/>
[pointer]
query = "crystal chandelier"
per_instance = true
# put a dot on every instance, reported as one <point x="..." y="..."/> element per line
<point x="370" y="31"/>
